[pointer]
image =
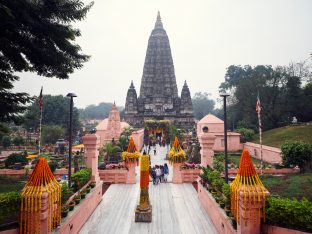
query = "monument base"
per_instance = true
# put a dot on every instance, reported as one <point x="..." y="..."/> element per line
<point x="143" y="215"/>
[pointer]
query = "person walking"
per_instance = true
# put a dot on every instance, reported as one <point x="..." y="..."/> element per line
<point x="153" y="174"/>
<point x="155" y="151"/>
<point x="166" y="172"/>
<point x="158" y="174"/>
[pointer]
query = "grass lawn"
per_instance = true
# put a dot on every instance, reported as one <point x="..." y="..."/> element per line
<point x="289" y="186"/>
<point x="10" y="184"/>
<point x="276" y="137"/>
<point x="235" y="159"/>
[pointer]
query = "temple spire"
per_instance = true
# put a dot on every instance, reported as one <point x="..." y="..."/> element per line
<point x="158" y="23"/>
<point x="131" y="86"/>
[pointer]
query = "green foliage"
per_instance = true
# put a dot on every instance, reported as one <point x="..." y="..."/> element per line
<point x="202" y="105"/>
<point x="37" y="37"/>
<point x="110" y="151"/>
<point x="15" y="158"/>
<point x="18" y="140"/>
<point x="297" y="153"/>
<point x="289" y="213"/>
<point x="10" y="204"/>
<point x="218" y="162"/>
<point x="281" y="93"/>
<point x="12" y="184"/>
<point x="53" y="166"/>
<point x="226" y="190"/>
<point x="51" y="133"/>
<point x="289" y="186"/>
<point x="55" y="112"/>
<point x="80" y="178"/>
<point x="6" y="141"/>
<point x="246" y="134"/>
<point x="66" y="193"/>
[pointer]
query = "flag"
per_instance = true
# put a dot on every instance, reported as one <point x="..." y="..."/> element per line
<point x="40" y="100"/>
<point x="258" y="105"/>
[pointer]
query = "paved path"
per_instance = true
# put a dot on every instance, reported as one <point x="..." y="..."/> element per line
<point x="176" y="209"/>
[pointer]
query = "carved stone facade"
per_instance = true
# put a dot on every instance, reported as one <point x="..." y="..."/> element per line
<point x="159" y="99"/>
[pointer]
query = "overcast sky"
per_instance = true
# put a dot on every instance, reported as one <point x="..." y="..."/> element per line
<point x="205" y="37"/>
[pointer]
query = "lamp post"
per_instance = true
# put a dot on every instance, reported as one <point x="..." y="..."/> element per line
<point x="71" y="95"/>
<point x="225" y="95"/>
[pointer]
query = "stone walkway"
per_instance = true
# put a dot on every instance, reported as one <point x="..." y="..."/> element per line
<point x="176" y="209"/>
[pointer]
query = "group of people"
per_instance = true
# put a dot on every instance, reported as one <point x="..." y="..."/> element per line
<point x="159" y="173"/>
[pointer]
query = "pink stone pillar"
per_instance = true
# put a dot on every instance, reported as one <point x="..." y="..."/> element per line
<point x="177" y="176"/>
<point x="91" y="144"/>
<point x="206" y="141"/>
<point x="247" y="211"/>
<point x="131" y="178"/>
<point x="44" y="213"/>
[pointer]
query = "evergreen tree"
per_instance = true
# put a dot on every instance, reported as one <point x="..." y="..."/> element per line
<point x="36" y="36"/>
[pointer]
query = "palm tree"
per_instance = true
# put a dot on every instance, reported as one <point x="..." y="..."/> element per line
<point x="122" y="142"/>
<point x="110" y="151"/>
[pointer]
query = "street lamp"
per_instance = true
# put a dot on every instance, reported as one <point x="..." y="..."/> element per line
<point x="225" y="95"/>
<point x="71" y="95"/>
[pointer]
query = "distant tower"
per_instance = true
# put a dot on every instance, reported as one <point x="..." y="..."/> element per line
<point x="159" y="99"/>
<point x="131" y="107"/>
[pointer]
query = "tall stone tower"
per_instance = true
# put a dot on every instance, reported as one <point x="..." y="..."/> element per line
<point x="159" y="99"/>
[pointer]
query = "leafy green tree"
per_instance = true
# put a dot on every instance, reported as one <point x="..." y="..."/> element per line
<point x="246" y="134"/>
<point x="280" y="92"/>
<point x="202" y="105"/>
<point x="18" y="140"/>
<point x="110" y="151"/>
<point x="297" y="153"/>
<point x="99" y="111"/>
<point x="51" y="133"/>
<point x="6" y="141"/>
<point x="55" y="111"/>
<point x="37" y="36"/>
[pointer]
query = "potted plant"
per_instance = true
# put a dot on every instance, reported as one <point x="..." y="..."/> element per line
<point x="71" y="206"/>
<point x="83" y="194"/>
<point x="77" y="199"/>
<point x="88" y="189"/>
<point x="64" y="211"/>
<point x="227" y="210"/>
<point x="93" y="183"/>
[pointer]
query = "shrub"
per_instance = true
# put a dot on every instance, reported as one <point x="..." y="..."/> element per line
<point x="218" y="162"/>
<point x="297" y="153"/>
<point x="10" y="204"/>
<point x="15" y="158"/>
<point x="66" y="193"/>
<point x="80" y="178"/>
<point x="246" y="134"/>
<point x="53" y="166"/>
<point x="290" y="213"/>
<point x="6" y="141"/>
<point x="18" y="140"/>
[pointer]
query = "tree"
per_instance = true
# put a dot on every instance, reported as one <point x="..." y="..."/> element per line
<point x="202" y="105"/>
<point x="51" y="133"/>
<point x="18" y="140"/>
<point x="37" y="36"/>
<point x="6" y="141"/>
<point x="110" y="151"/>
<point x="100" y="111"/>
<point x="55" y="111"/>
<point x="297" y="153"/>
<point x="281" y="95"/>
<point x="15" y="158"/>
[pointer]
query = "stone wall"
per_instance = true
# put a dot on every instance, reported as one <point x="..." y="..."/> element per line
<point x="217" y="215"/>
<point x="77" y="218"/>
<point x="138" y="137"/>
<point x="113" y="176"/>
<point x="269" y="154"/>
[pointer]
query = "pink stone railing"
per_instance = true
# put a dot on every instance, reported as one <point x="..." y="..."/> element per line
<point x="117" y="176"/>
<point x="269" y="154"/>
<point x="11" y="172"/>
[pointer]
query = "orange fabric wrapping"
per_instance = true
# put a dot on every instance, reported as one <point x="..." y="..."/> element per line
<point x="144" y="181"/>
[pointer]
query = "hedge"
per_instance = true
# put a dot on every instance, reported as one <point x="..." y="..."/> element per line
<point x="10" y="204"/>
<point x="289" y="213"/>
